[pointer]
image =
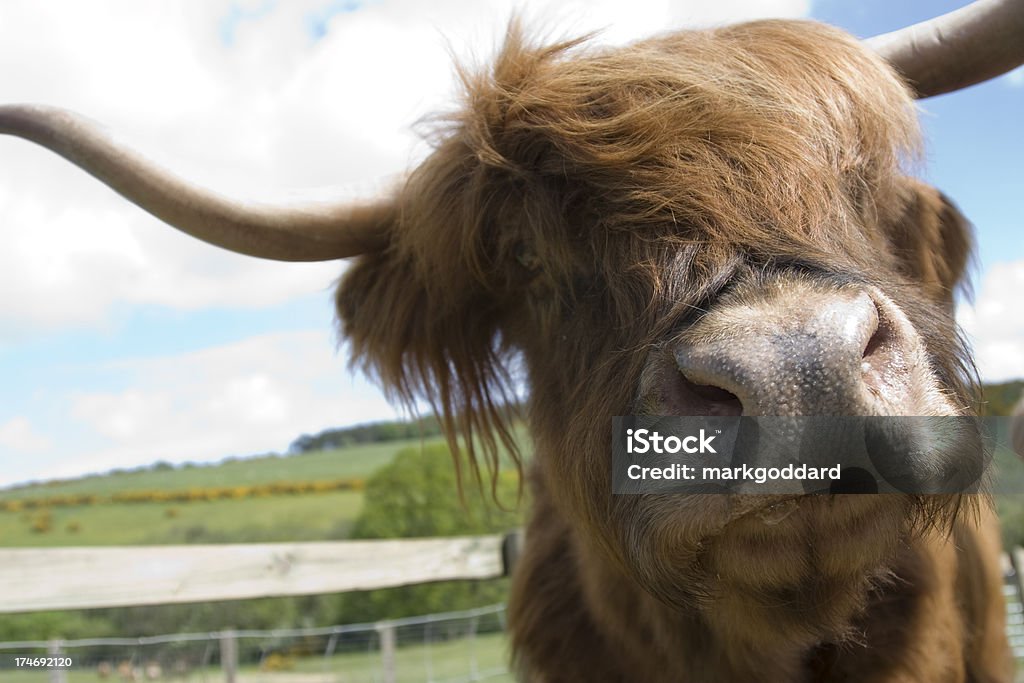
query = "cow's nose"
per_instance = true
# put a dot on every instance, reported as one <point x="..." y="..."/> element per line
<point x="824" y="352"/>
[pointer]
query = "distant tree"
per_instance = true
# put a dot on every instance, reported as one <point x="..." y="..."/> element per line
<point x="303" y="444"/>
<point x="416" y="495"/>
<point x="372" y="432"/>
<point x="999" y="399"/>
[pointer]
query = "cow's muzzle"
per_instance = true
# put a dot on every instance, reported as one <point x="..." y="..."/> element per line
<point x="801" y="348"/>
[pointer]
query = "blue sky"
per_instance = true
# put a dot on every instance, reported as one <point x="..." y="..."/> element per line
<point x="122" y="342"/>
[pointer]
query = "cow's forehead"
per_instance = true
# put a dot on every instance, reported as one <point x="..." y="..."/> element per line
<point x="773" y="132"/>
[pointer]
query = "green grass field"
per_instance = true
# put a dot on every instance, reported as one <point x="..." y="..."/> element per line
<point x="319" y="516"/>
<point x="453" y="660"/>
<point x="267" y="519"/>
<point x="354" y="461"/>
<point x="485" y="655"/>
<point x="275" y="518"/>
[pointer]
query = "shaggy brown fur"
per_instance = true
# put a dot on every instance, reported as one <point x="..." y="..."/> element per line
<point x="575" y="216"/>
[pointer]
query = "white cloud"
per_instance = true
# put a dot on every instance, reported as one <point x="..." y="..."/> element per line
<point x="74" y="250"/>
<point x="1015" y="78"/>
<point x="247" y="397"/>
<point x="18" y="434"/>
<point x="995" y="323"/>
<point x="690" y="13"/>
<point x="272" y="110"/>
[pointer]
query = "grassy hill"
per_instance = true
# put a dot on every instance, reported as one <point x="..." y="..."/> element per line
<point x="285" y="518"/>
<point x="91" y="512"/>
<point x="352" y="461"/>
<point x="309" y="516"/>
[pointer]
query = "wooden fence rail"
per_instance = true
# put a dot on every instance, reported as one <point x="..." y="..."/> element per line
<point x="72" y="578"/>
<point x="83" y="578"/>
<point x="34" y="579"/>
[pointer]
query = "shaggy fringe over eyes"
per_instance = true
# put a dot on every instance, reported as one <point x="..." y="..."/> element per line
<point x="423" y="316"/>
<point x="421" y="349"/>
<point x="769" y="138"/>
<point x="750" y="135"/>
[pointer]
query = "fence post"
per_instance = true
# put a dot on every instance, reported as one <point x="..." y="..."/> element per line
<point x="511" y="549"/>
<point x="229" y="655"/>
<point x="386" y="630"/>
<point x="474" y="670"/>
<point x="54" y="649"/>
<point x="1014" y="592"/>
<point x="1017" y="562"/>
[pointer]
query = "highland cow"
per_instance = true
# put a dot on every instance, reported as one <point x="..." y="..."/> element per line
<point x="711" y="222"/>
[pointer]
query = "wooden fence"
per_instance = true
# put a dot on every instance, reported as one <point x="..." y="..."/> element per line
<point x="89" y="577"/>
<point x="82" y="578"/>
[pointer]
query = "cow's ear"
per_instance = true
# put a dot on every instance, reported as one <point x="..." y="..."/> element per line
<point x="932" y="240"/>
<point x="430" y="341"/>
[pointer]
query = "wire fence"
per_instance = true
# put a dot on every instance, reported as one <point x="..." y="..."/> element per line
<point x="452" y="647"/>
<point x="1015" y="615"/>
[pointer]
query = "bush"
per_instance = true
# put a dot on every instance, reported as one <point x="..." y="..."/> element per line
<point x="47" y="625"/>
<point x="276" y="661"/>
<point x="417" y="496"/>
<point x="42" y="522"/>
<point x="1000" y="398"/>
<point x="1011" y="518"/>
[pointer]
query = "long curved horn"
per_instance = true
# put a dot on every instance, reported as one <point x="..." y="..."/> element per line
<point x="966" y="46"/>
<point x="313" y="233"/>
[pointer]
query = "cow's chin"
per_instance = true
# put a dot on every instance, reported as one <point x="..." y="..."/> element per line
<point x="770" y="566"/>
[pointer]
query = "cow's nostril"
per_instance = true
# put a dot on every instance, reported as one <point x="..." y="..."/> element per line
<point x="879" y="335"/>
<point x="712" y="393"/>
<point x="839" y="353"/>
<point x="874" y="343"/>
<point x="879" y="355"/>
<point x="693" y="399"/>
